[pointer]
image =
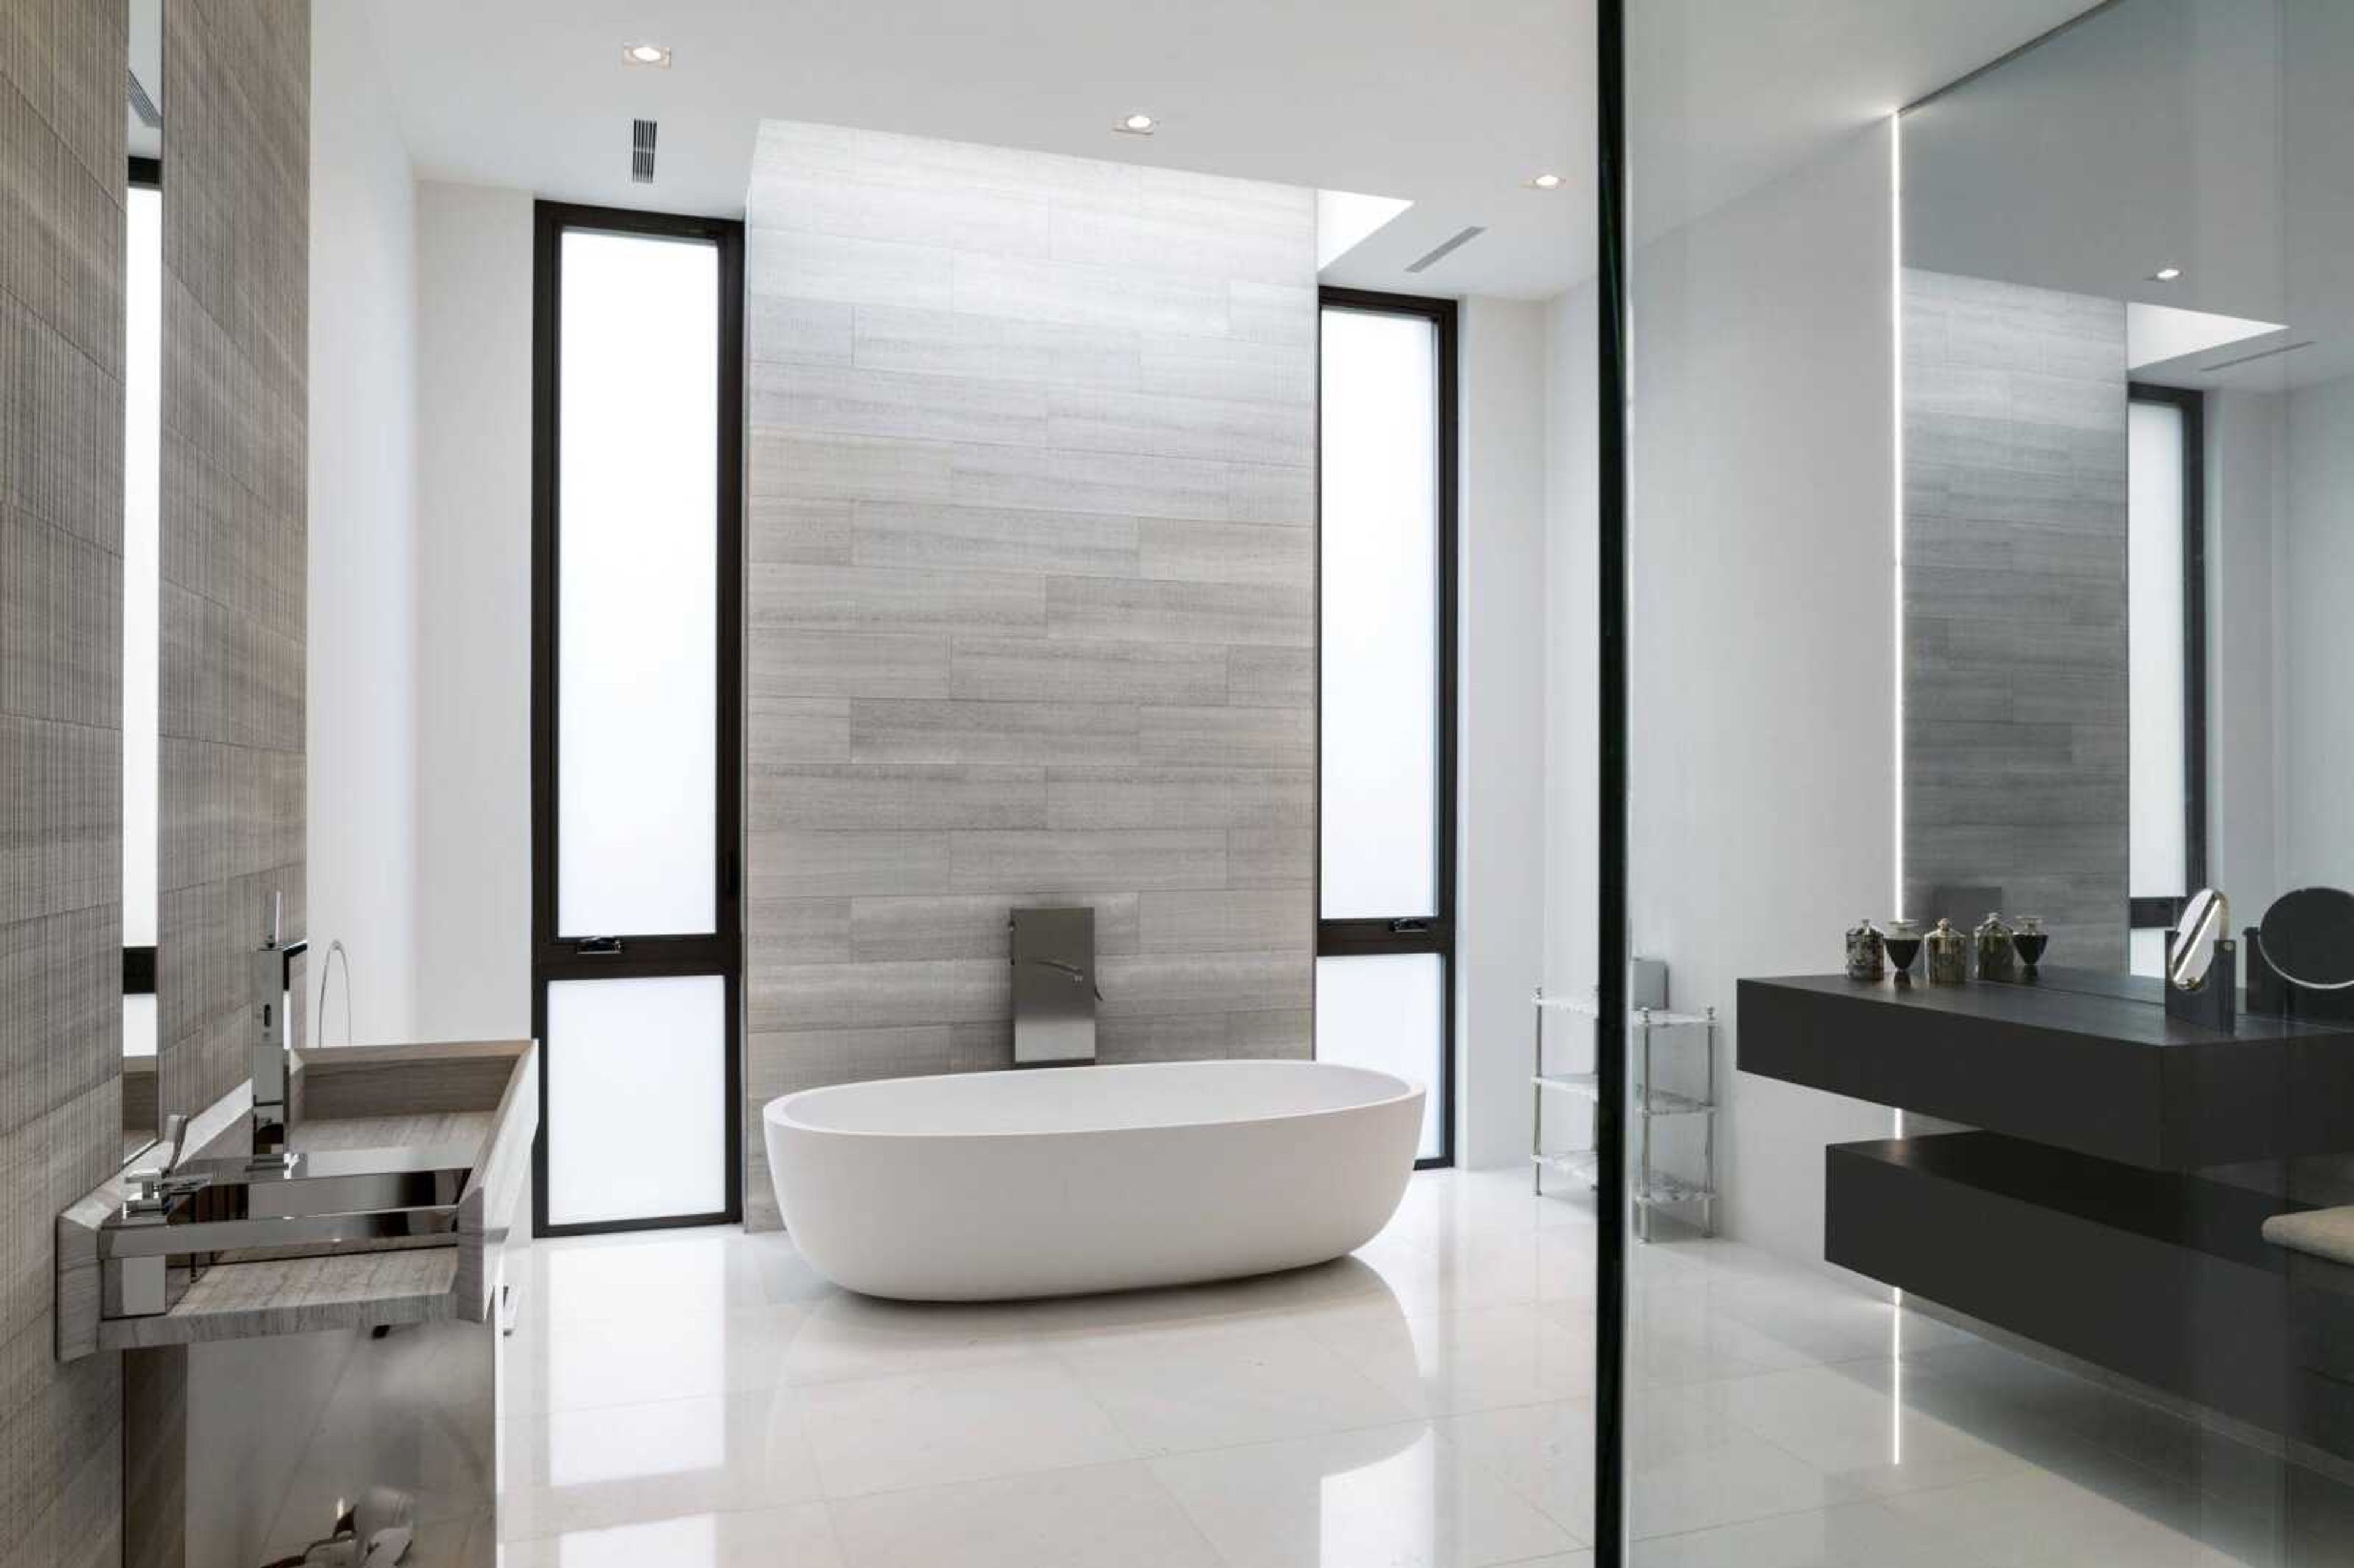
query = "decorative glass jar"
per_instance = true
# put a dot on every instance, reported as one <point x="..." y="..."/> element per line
<point x="1949" y="955"/>
<point x="1903" y="945"/>
<point x="2029" y="941"/>
<point x="1998" y="959"/>
<point x="1865" y="951"/>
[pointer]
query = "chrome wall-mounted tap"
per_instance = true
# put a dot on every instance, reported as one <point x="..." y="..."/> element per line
<point x="273" y="973"/>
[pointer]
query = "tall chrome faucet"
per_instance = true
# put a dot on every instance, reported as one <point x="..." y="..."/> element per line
<point x="272" y="971"/>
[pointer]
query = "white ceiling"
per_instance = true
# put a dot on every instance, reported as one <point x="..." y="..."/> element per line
<point x="2205" y="134"/>
<point x="1454" y="106"/>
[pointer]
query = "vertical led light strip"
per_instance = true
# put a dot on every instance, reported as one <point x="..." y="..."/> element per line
<point x="1896" y="465"/>
<point x="1896" y="575"/>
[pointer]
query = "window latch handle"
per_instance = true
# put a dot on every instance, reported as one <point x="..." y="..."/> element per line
<point x="1408" y="924"/>
<point x="598" y="946"/>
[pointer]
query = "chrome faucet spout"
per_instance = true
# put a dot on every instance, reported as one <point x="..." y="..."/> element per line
<point x="272" y="967"/>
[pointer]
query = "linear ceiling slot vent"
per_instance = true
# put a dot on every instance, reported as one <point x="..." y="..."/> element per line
<point x="2259" y="354"/>
<point x="642" y="151"/>
<point x="143" y="106"/>
<point x="1448" y="248"/>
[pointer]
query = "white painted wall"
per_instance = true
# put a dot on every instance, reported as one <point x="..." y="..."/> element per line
<point x="361" y="808"/>
<point x="1763" y="685"/>
<point x="2245" y="449"/>
<point x="2317" y="563"/>
<point x="1571" y="685"/>
<point x="473" y="594"/>
<point x="1573" y="657"/>
<point x="1500" y="758"/>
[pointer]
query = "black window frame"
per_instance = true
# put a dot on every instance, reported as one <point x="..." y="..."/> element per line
<point x="1409" y="933"/>
<point x="138" y="963"/>
<point x="2159" y="913"/>
<point x="555" y="955"/>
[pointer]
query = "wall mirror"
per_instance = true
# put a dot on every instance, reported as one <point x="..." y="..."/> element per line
<point x="142" y="404"/>
<point x="2127" y="502"/>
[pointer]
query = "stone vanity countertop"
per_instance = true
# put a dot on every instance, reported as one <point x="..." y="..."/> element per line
<point x="483" y="1094"/>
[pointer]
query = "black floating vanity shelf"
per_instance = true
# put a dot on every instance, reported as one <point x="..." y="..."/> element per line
<point x="2110" y="1199"/>
<point x="2081" y="1061"/>
<point x="2161" y="1277"/>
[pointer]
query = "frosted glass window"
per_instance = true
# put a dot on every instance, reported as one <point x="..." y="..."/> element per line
<point x="143" y="432"/>
<point x="638" y="564"/>
<point x="1380" y="615"/>
<point x="2157" y="802"/>
<point x="1384" y="1011"/>
<point x="637" y="1099"/>
<point x="139" y="1024"/>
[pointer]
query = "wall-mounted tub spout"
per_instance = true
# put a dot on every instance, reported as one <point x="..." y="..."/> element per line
<point x="1054" y="991"/>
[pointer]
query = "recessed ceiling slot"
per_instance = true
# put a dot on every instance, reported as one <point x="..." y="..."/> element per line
<point x="1448" y="249"/>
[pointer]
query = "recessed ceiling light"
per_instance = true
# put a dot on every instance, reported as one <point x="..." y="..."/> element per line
<point x="646" y="54"/>
<point x="1137" y="125"/>
<point x="2165" y="274"/>
<point x="1547" y="182"/>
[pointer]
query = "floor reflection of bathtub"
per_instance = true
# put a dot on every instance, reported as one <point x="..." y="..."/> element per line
<point x="1067" y="1181"/>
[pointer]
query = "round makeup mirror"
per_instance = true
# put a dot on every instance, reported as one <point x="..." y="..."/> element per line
<point x="2206" y="920"/>
<point x="2308" y="936"/>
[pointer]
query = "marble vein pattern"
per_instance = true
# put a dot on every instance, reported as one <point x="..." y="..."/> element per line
<point x="1031" y="549"/>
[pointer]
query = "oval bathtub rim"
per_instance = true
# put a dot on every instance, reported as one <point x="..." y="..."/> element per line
<point x="777" y="1111"/>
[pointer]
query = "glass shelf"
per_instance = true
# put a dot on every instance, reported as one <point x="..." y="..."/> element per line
<point x="1661" y="1188"/>
<point x="1662" y="1102"/>
<point x="1586" y="1006"/>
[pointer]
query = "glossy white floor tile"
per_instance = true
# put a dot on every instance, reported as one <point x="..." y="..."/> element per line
<point x="705" y="1398"/>
<point x="1250" y="1380"/>
<point x="1056" y="1519"/>
<point x="763" y="1538"/>
<point x="576" y="1470"/>
<point x="1405" y="1496"/>
<point x="925" y="1429"/>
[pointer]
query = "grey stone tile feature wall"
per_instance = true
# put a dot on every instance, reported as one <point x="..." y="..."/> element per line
<point x="1030" y="557"/>
<point x="2015" y="676"/>
<point x="237" y="81"/>
<point x="61" y="248"/>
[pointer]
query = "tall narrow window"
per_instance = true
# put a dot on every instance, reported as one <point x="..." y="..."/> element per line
<point x="1385" y="965"/>
<point x="2166" y="664"/>
<point x="636" y="790"/>
<point x="143" y="608"/>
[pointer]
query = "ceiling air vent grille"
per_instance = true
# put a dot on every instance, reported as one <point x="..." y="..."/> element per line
<point x="642" y="151"/>
<point x="143" y="106"/>
<point x="1439" y="253"/>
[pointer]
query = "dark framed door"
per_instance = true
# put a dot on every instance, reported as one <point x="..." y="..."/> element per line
<point x="1385" y="694"/>
<point x="637" y="785"/>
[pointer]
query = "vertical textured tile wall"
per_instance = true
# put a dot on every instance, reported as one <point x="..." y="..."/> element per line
<point x="1031" y="597"/>
<point x="62" y="226"/>
<point x="237" y="76"/>
<point x="2015" y="697"/>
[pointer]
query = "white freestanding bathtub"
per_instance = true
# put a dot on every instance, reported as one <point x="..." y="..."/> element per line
<point x="1055" y="1182"/>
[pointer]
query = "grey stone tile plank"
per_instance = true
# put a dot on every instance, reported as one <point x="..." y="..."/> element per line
<point x="975" y="925"/>
<point x="1048" y="734"/>
<point x="1142" y="860"/>
<point x="1269" y="615"/>
<point x="870" y="797"/>
<point x="987" y="538"/>
<point x="895" y="601"/>
<point x="1015" y="669"/>
<point x="1227" y="920"/>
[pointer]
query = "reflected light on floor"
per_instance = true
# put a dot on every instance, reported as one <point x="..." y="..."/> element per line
<point x="688" y="1543"/>
<point x="579" y="1347"/>
<point x="1399" y="1495"/>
